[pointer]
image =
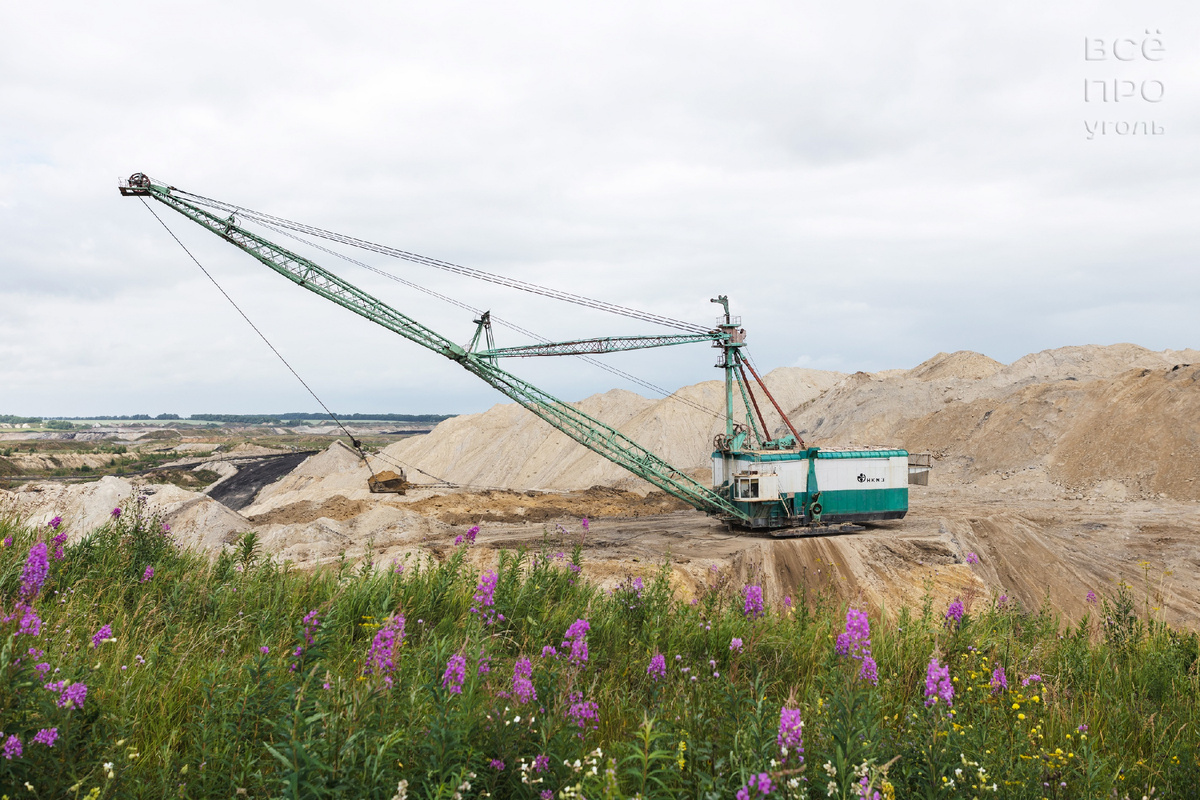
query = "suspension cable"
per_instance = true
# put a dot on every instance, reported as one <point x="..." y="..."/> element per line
<point x="510" y="325"/>
<point x="470" y="272"/>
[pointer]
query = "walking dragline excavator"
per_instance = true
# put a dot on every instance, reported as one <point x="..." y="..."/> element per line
<point x="772" y="484"/>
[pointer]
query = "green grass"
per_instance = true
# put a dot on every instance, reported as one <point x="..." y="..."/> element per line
<point x="186" y="703"/>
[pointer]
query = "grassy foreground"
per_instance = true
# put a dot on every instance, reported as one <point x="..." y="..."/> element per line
<point x="243" y="677"/>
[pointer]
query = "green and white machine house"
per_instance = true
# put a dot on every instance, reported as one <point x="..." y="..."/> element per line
<point x="813" y="486"/>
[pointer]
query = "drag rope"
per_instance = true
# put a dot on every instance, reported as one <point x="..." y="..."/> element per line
<point x="501" y="280"/>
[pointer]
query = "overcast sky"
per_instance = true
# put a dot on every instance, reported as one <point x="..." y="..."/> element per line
<point x="870" y="182"/>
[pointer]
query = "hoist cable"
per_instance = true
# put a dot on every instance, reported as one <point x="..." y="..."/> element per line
<point x="353" y="441"/>
<point x="501" y="280"/>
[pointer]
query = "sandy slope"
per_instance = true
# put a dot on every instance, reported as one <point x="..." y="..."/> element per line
<point x="508" y="447"/>
<point x="1074" y="416"/>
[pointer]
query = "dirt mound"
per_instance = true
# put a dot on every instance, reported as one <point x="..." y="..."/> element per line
<point x="963" y="364"/>
<point x="1091" y="361"/>
<point x="503" y="505"/>
<point x="194" y="479"/>
<point x="336" y="470"/>
<point x="1142" y="429"/>
<point x="1077" y="416"/>
<point x="194" y="519"/>
<point x="985" y="421"/>
<point x="507" y="447"/>
<point x="335" y="508"/>
<point x="167" y="433"/>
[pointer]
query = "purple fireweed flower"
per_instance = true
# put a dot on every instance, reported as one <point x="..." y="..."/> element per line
<point x="858" y="633"/>
<point x="735" y="644"/>
<point x="541" y="763"/>
<point x="101" y="635"/>
<point x="1034" y="678"/>
<point x="787" y="601"/>
<point x="148" y="574"/>
<point x="46" y="736"/>
<point x="264" y="650"/>
<point x="31" y="623"/>
<point x="115" y="513"/>
<point x="937" y="684"/>
<point x="753" y="607"/>
<point x="584" y="523"/>
<point x="760" y="784"/>
<point x="472" y="532"/>
<point x="658" y="667"/>
<point x="73" y="696"/>
<point x="549" y="652"/>
<point x="12" y="747"/>
<point x="54" y="523"/>
<point x="496" y="764"/>
<point x="381" y="656"/>
<point x="311" y="621"/>
<point x="458" y="540"/>
<point x="522" y="682"/>
<point x="166" y="528"/>
<point x="972" y="558"/>
<point x="630" y="589"/>
<point x="8" y="541"/>
<point x="483" y="664"/>
<point x="547" y="794"/>
<point x="58" y="542"/>
<point x="1091" y="597"/>
<point x="576" y="639"/>
<point x="954" y="614"/>
<point x="999" y="680"/>
<point x="37" y="566"/>
<point x="582" y="712"/>
<point x="485" y="598"/>
<point x="791" y="733"/>
<point x="43" y="669"/>
<point x="1002" y="600"/>
<point x="863" y="790"/>
<point x="869" y="671"/>
<point x="455" y="674"/>
<point x="855" y="642"/>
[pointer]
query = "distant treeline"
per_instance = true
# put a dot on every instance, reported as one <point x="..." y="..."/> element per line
<point x="245" y="419"/>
